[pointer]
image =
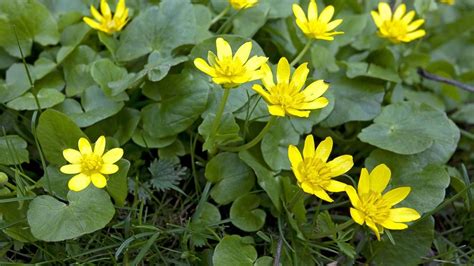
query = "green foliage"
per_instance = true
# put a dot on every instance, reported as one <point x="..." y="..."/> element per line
<point x="166" y="174"/>
<point x="225" y="252"/>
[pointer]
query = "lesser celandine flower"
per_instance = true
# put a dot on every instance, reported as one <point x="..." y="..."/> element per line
<point x="317" y="26"/>
<point x="374" y="208"/>
<point x="231" y="70"/>
<point x="242" y="4"/>
<point x="106" y="22"/>
<point x="286" y="96"/>
<point x="313" y="171"/>
<point x="399" y="26"/>
<point x="90" y="165"/>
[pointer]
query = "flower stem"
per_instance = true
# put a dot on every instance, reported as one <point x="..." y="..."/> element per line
<point x="302" y="53"/>
<point x="253" y="142"/>
<point x="220" y="15"/>
<point x="220" y="111"/>
<point x="226" y="26"/>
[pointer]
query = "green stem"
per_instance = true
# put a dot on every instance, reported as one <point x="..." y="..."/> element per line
<point x="253" y="142"/>
<point x="224" y="27"/>
<point x="302" y="53"/>
<point x="220" y="112"/>
<point x="220" y="15"/>
<point x="338" y="228"/>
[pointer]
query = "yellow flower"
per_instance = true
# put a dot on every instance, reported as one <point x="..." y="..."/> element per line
<point x="399" y="26"/>
<point x="106" y="22"/>
<point x="90" y="165"/>
<point x="228" y="70"/>
<point x="242" y="4"/>
<point x="287" y="96"/>
<point x="312" y="170"/>
<point x="448" y="2"/>
<point x="375" y="209"/>
<point x="314" y="26"/>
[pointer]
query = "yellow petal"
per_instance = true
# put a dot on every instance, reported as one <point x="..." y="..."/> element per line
<point x="324" y="149"/>
<point x="267" y="77"/>
<point x="326" y="14"/>
<point x="399" y="12"/>
<point x="299" y="76"/>
<point x="299" y="13"/>
<point x="333" y="24"/>
<point x="96" y="14"/>
<point x="396" y="195"/>
<point x="99" y="146"/>
<point x="105" y="10"/>
<point x="414" y="35"/>
<point x="404" y="215"/>
<point x="335" y="186"/>
<point x="93" y="24"/>
<point x="373" y="227"/>
<point x="259" y="89"/>
<point x="315" y="104"/>
<point x="283" y="71"/>
<point x="364" y="182"/>
<point x="303" y="26"/>
<point x="204" y="67"/>
<point x="255" y="62"/>
<point x="98" y="180"/>
<point x="353" y="196"/>
<point x="71" y="169"/>
<point x="415" y="24"/>
<point x="120" y="9"/>
<point x="393" y="225"/>
<point x="312" y="11"/>
<point x="385" y="11"/>
<point x="84" y="146"/>
<point x="295" y="158"/>
<point x="379" y="178"/>
<point x="297" y="113"/>
<point x="72" y="156"/>
<point x="276" y="110"/>
<point x="112" y="156"/>
<point x="320" y="193"/>
<point x="79" y="182"/>
<point x="223" y="49"/>
<point x="315" y="90"/>
<point x="408" y="17"/>
<point x="340" y="165"/>
<point x="309" y="148"/>
<point x="108" y="169"/>
<point x="324" y="37"/>
<point x="243" y="52"/>
<point x="377" y="19"/>
<point x="357" y="216"/>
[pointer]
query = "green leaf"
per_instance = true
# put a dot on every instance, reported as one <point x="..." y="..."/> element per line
<point x="95" y="106"/>
<point x="13" y="221"/>
<point x="166" y="174"/>
<point x="178" y="107"/>
<point x="16" y="83"/>
<point x="57" y="182"/>
<point x="410" y="245"/>
<point x="227" y="132"/>
<point x="117" y="184"/>
<point x="77" y="70"/>
<point x="46" y="98"/>
<point x="356" y="100"/>
<point x="264" y="261"/>
<point x="232" y="250"/>
<point x="145" y="140"/>
<point x="32" y="22"/>
<point x="464" y="114"/>
<point x="13" y="150"/>
<point x="201" y="226"/>
<point x="231" y="177"/>
<point x="245" y="215"/>
<point x="161" y="28"/>
<point x="275" y="144"/>
<point x="265" y="177"/>
<point x="363" y="69"/>
<point x="87" y="212"/>
<point x="56" y="132"/>
<point x="249" y="22"/>
<point x="104" y="71"/>
<point x="408" y="128"/>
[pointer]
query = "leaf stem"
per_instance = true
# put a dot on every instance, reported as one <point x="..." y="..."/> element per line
<point x="220" y="15"/>
<point x="224" y="27"/>
<point x="219" y="113"/>
<point x="302" y="53"/>
<point x="253" y="142"/>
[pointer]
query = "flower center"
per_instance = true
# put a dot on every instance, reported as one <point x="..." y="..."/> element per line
<point x="230" y="67"/>
<point x="315" y="172"/>
<point x="285" y="96"/>
<point x="374" y="206"/>
<point x="395" y="28"/>
<point x="91" y="163"/>
<point x="317" y="28"/>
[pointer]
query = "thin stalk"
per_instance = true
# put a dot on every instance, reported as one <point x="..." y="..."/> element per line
<point x="220" y="112"/>
<point x="223" y="28"/>
<point x="220" y="15"/>
<point x="253" y="142"/>
<point x="302" y="53"/>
